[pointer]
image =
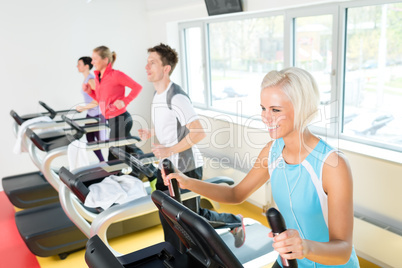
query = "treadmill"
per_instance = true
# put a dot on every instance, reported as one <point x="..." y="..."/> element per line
<point x="43" y="126"/>
<point x="33" y="189"/>
<point x="203" y="247"/>
<point x="20" y="119"/>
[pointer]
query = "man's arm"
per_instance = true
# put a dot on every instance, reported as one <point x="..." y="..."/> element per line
<point x="195" y="135"/>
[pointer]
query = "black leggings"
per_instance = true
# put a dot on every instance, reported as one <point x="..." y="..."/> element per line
<point x="95" y="136"/>
<point x="120" y="127"/>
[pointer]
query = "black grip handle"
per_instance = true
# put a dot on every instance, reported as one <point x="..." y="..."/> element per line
<point x="73" y="124"/>
<point x="16" y="117"/>
<point x="147" y="155"/>
<point x="39" y="143"/>
<point x="131" y="160"/>
<point x="118" y="153"/>
<point x="50" y="110"/>
<point x="173" y="186"/>
<point x="276" y="221"/>
<point x="278" y="225"/>
<point x="74" y="184"/>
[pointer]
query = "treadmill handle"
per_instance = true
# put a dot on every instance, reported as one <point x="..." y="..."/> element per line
<point x="174" y="191"/>
<point x="278" y="225"/>
<point x="50" y="110"/>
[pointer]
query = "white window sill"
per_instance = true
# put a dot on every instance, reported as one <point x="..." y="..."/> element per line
<point x="342" y="144"/>
<point x="370" y="151"/>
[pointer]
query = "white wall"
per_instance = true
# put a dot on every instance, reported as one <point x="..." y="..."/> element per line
<point x="41" y="41"/>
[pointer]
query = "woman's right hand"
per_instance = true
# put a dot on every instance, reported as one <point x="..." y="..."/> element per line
<point x="144" y="133"/>
<point x="182" y="179"/>
<point x="290" y="245"/>
<point x="86" y="88"/>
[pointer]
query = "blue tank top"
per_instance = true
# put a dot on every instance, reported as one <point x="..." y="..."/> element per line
<point x="300" y="197"/>
<point x="94" y="112"/>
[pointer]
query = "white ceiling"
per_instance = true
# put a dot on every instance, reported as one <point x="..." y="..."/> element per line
<point x="167" y="4"/>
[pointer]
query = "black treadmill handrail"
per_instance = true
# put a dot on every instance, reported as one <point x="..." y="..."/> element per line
<point x="39" y="143"/>
<point x="54" y="143"/>
<point x="21" y="119"/>
<point x="278" y="225"/>
<point x="73" y="124"/>
<point x="16" y="117"/>
<point x="131" y="160"/>
<point x="174" y="190"/>
<point x="52" y="112"/>
<point x="124" y="138"/>
<point x="76" y="186"/>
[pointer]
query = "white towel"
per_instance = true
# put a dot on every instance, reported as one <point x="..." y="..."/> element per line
<point x="77" y="155"/>
<point x="18" y="148"/>
<point x="114" y="189"/>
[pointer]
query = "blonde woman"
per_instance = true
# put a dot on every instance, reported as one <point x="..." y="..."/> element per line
<point x="311" y="181"/>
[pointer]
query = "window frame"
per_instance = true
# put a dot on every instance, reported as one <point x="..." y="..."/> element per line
<point x="343" y="8"/>
<point x="318" y="10"/>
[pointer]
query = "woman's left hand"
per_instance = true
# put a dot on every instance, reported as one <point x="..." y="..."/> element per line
<point x="86" y="88"/>
<point x="161" y="151"/>
<point x="119" y="104"/>
<point x="80" y="108"/>
<point x="290" y="245"/>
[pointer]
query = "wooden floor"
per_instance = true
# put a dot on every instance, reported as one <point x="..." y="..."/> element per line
<point x="154" y="235"/>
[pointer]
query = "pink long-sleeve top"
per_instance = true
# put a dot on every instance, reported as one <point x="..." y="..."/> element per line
<point x="112" y="87"/>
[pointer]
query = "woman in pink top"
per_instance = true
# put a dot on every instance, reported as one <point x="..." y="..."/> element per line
<point x="110" y="85"/>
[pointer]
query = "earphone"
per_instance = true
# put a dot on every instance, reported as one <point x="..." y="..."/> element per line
<point x="291" y="191"/>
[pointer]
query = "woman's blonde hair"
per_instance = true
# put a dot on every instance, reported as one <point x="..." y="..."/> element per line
<point x="104" y="52"/>
<point x="301" y="88"/>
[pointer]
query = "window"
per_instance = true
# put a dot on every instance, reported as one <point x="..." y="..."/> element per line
<point x="373" y="80"/>
<point x="352" y="49"/>
<point x="237" y="65"/>
<point x="313" y="51"/>
<point x="194" y="65"/>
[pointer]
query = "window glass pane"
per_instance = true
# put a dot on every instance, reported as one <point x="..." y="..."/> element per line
<point x="313" y="52"/>
<point x="373" y="80"/>
<point x="241" y="53"/>
<point x="195" y="70"/>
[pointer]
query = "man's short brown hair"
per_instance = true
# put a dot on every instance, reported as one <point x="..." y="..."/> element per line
<point x="168" y="55"/>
